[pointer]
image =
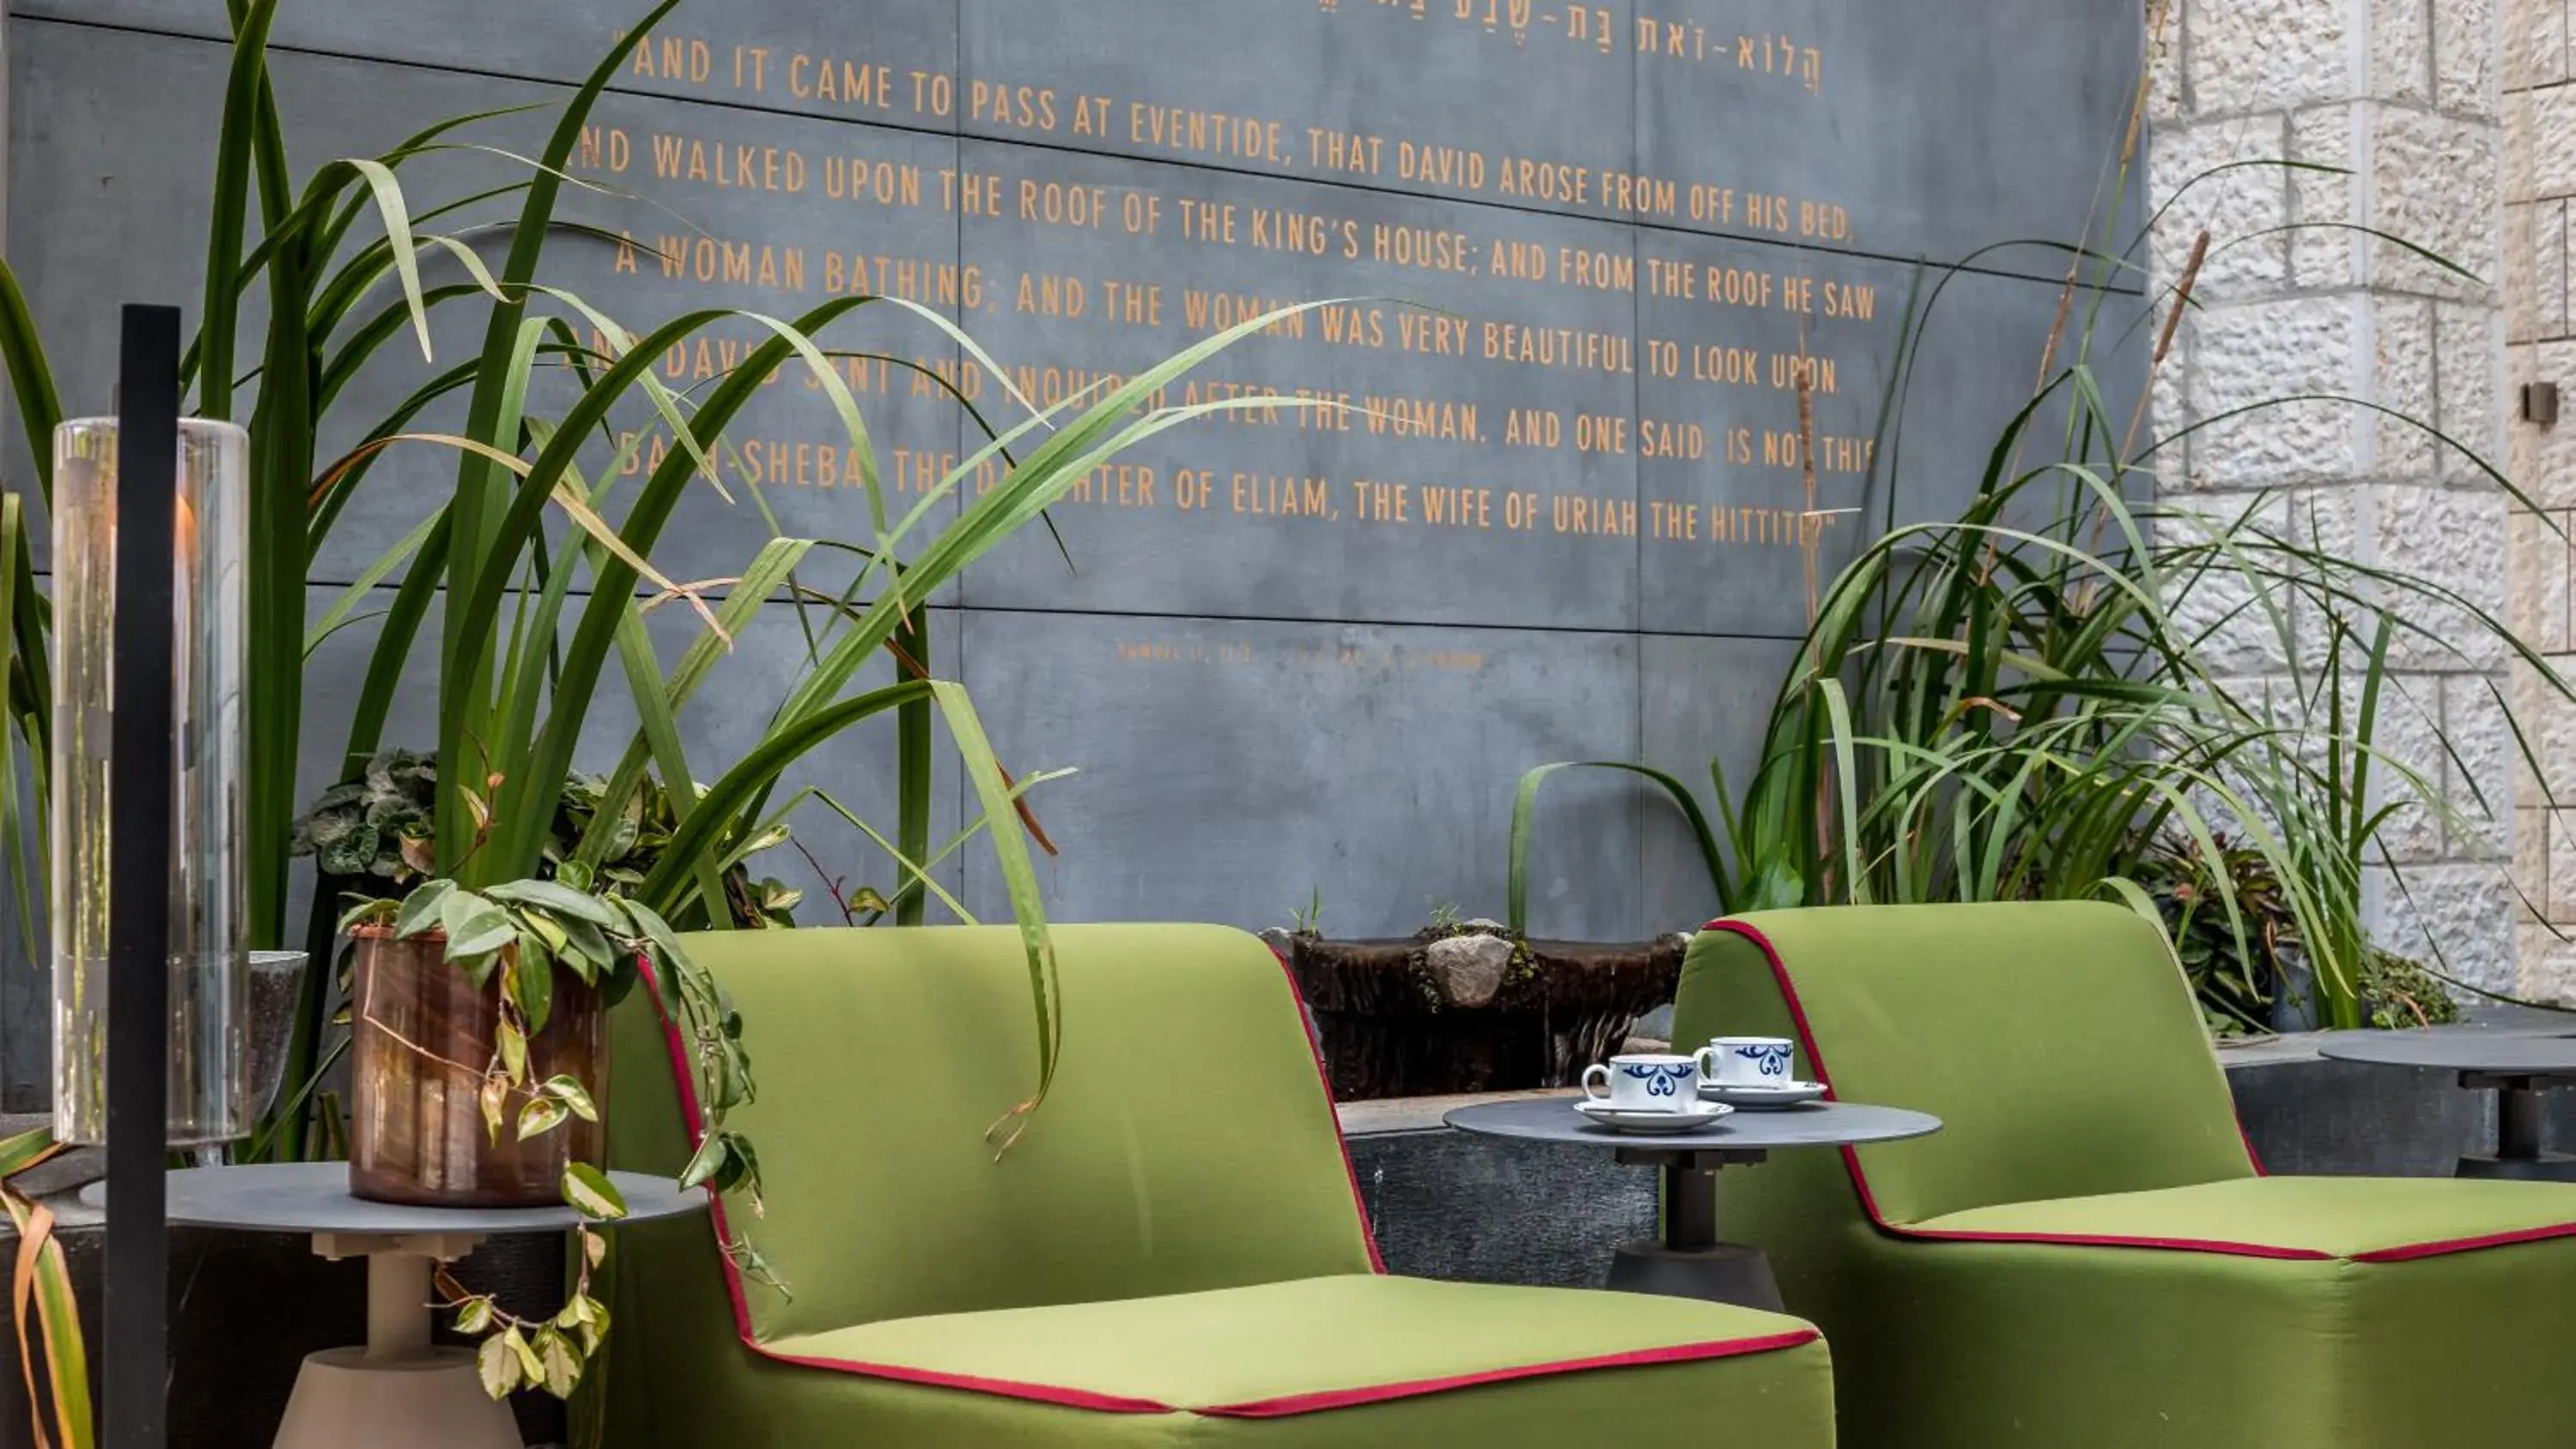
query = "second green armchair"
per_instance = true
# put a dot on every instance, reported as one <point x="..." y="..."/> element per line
<point x="2087" y="1254"/>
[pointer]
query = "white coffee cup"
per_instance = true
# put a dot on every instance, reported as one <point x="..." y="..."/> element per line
<point x="1646" y="1083"/>
<point x="1751" y="1061"/>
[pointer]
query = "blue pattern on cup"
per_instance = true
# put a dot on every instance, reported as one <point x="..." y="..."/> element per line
<point x="1660" y="1081"/>
<point x="1771" y="1061"/>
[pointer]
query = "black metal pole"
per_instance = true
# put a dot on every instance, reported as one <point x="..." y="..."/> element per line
<point x="133" y="1408"/>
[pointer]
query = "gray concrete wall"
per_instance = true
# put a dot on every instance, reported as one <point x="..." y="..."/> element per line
<point x="1294" y="654"/>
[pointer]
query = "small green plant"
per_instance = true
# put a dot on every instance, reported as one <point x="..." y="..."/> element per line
<point x="375" y="828"/>
<point x="374" y="838"/>
<point x="1445" y="920"/>
<point x="1310" y="921"/>
<point x="2239" y="976"/>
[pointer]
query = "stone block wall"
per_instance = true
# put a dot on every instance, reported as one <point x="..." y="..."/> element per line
<point x="2302" y="294"/>
<point x="2540" y="187"/>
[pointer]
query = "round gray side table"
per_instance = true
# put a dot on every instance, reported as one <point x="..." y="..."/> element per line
<point x="396" y="1392"/>
<point x="1689" y="1261"/>
<point x="2519" y="1066"/>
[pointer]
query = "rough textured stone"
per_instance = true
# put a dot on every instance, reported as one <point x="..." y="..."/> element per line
<point x="2255" y="354"/>
<point x="1467" y="970"/>
<point x="2479" y="767"/>
<point x="2421" y="168"/>
<point x="2537" y="591"/>
<point x="2236" y="634"/>
<point x="2559" y="852"/>
<point x="2402" y="382"/>
<point x="2547" y="471"/>
<point x="2549" y="722"/>
<point x="2164" y="62"/>
<point x="2235" y="206"/>
<point x="2549" y="140"/>
<point x="2265" y="55"/>
<point x="2524" y="308"/>
<point x="2325" y="252"/>
<point x="2535" y="43"/>
<point x="2401" y="51"/>
<point x="2530" y="875"/>
<point x="2408" y="764"/>
<point x="2469" y="371"/>
<point x="2468" y="46"/>
<point x="2456" y="917"/>
<point x="2452" y="538"/>
<point x="2548" y="965"/>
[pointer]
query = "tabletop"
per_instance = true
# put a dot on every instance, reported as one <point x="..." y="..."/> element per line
<point x="2458" y="1049"/>
<point x="1818" y="1124"/>
<point x="313" y="1197"/>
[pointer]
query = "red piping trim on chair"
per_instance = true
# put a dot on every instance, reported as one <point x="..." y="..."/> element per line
<point x="1347" y="1398"/>
<point x="1869" y="1204"/>
<point x="2410" y="1251"/>
<point x="1332" y="1110"/>
<point x="2115" y="1240"/>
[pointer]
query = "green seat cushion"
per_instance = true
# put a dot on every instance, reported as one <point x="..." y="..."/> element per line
<point x="674" y="1383"/>
<point x="2358" y="1219"/>
<point x="1278" y="1349"/>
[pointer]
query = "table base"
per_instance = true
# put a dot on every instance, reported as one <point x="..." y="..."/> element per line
<point x="431" y="1400"/>
<point x="397" y="1392"/>
<point x="1719" y="1273"/>
<point x="2546" y="1167"/>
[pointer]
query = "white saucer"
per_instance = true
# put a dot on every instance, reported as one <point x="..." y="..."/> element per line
<point x="1763" y="1099"/>
<point x="1629" y="1120"/>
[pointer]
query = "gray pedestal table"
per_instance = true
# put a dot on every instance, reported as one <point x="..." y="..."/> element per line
<point x="1689" y="1261"/>
<point x="397" y="1391"/>
<point x="2518" y="1065"/>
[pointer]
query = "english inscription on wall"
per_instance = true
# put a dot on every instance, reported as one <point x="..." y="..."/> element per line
<point x="1591" y="398"/>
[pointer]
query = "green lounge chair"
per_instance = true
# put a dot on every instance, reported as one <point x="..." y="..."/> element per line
<point x="2086" y="1254"/>
<point x="1172" y="1255"/>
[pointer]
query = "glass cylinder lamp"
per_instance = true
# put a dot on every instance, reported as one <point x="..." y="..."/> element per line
<point x="209" y="960"/>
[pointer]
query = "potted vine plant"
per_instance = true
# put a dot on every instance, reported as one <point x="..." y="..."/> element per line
<point x="478" y="1019"/>
<point x="475" y="1091"/>
<point x="477" y="1026"/>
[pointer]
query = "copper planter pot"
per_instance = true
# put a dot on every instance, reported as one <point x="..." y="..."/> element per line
<point x="423" y="1035"/>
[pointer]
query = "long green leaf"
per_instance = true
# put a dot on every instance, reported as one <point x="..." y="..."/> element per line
<point x="235" y="151"/>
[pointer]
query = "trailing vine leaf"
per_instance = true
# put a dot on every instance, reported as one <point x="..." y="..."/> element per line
<point x="474" y="926"/>
<point x="573" y="1096"/>
<point x="588" y="1188"/>
<point x="496" y="1366"/>
<point x="420" y="910"/>
<point x="540" y="1116"/>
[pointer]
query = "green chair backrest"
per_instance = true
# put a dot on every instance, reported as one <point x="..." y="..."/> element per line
<point x="2056" y="1040"/>
<point x="1188" y="1143"/>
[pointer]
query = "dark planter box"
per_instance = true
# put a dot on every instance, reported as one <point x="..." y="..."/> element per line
<point x="1473" y="1009"/>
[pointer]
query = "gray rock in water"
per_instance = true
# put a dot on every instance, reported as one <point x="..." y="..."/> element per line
<point x="1468" y="970"/>
<point x="1489" y="927"/>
